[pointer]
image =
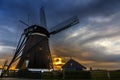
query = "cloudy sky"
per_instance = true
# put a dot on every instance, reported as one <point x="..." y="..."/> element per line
<point x="94" y="42"/>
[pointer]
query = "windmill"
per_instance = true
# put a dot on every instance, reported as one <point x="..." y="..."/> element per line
<point x="33" y="47"/>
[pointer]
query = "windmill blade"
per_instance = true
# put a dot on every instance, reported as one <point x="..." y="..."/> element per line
<point x="64" y="25"/>
<point x="18" y="50"/>
<point x="43" y="18"/>
<point x="24" y="23"/>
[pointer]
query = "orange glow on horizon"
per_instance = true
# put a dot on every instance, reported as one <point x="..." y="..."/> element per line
<point x="58" y="63"/>
<point x="11" y="68"/>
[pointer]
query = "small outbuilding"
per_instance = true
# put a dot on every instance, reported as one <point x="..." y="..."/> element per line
<point x="73" y="65"/>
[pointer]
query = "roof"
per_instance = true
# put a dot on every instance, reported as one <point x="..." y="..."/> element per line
<point x="72" y="63"/>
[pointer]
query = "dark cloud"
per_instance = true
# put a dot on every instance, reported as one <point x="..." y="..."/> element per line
<point x="83" y="8"/>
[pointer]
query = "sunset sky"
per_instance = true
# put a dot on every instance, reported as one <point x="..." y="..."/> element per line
<point x="94" y="42"/>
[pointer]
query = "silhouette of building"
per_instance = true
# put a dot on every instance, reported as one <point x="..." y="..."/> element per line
<point x="73" y="65"/>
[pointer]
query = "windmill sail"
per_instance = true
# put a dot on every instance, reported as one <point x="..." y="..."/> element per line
<point x="64" y="25"/>
<point x="43" y="18"/>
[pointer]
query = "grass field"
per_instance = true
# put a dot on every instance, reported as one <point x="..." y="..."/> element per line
<point x="92" y="75"/>
<point x="85" y="75"/>
<point x="77" y="75"/>
<point x="105" y="75"/>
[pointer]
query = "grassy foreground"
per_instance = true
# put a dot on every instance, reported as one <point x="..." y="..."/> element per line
<point x="105" y="75"/>
<point x="75" y="75"/>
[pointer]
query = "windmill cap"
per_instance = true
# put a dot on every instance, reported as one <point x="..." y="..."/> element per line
<point x="36" y="29"/>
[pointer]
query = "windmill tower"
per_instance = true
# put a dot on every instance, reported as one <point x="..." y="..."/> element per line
<point x="36" y="53"/>
<point x="33" y="47"/>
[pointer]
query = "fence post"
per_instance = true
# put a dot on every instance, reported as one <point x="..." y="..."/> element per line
<point x="108" y="75"/>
